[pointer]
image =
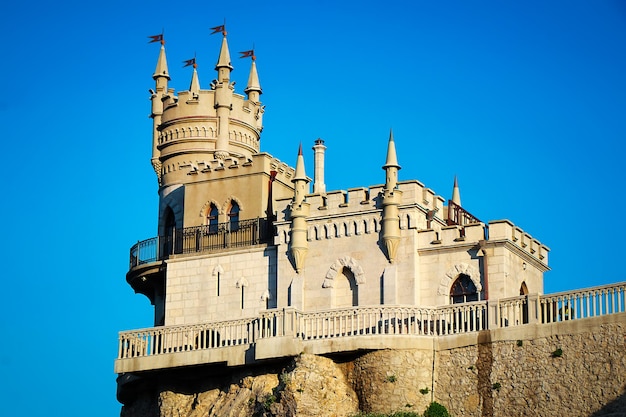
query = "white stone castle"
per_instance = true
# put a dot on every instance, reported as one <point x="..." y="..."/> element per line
<point x="240" y="234"/>
<point x="250" y="267"/>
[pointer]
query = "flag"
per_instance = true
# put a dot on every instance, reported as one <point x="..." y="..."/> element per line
<point x="156" y="38"/>
<point x="189" y="62"/>
<point x="217" y="29"/>
<point x="246" y="54"/>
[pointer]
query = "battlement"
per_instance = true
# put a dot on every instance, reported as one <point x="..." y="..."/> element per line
<point x="362" y="199"/>
<point x="504" y="230"/>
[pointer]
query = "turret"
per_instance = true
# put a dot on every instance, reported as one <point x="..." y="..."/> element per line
<point x="391" y="199"/>
<point x="253" y="89"/>
<point x="161" y="77"/>
<point x="318" y="177"/>
<point x="223" y="99"/>
<point x="299" y="212"/>
<point x="194" y="86"/>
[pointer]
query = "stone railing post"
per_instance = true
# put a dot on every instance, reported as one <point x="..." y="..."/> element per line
<point x="289" y="322"/>
<point x="533" y="306"/>
<point x="493" y="314"/>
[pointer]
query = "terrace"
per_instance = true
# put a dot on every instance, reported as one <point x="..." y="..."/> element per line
<point x="287" y="332"/>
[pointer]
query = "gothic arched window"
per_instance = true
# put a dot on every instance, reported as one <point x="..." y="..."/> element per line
<point x="463" y="290"/>
<point x="233" y="216"/>
<point x="211" y="219"/>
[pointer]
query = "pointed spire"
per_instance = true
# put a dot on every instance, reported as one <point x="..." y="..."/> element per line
<point x="456" y="193"/>
<point x="300" y="171"/>
<point x="224" y="59"/>
<point x="253" y="81"/>
<point x="392" y="159"/>
<point x="194" y="87"/>
<point x="161" y="67"/>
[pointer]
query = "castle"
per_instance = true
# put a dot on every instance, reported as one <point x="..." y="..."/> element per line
<point x="247" y="255"/>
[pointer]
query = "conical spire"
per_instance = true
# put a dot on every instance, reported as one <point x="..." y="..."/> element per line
<point x="456" y="193"/>
<point x="300" y="171"/>
<point x="161" y="67"/>
<point x="194" y="87"/>
<point x="224" y="59"/>
<point x="253" y="80"/>
<point x="392" y="159"/>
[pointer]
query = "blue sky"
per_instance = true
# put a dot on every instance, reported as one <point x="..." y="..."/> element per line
<point x="524" y="101"/>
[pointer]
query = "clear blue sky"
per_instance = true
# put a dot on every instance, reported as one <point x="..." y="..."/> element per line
<point x="524" y="101"/>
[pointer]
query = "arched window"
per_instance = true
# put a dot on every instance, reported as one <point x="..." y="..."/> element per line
<point x="463" y="290"/>
<point x="169" y="235"/>
<point x="233" y="216"/>
<point x="211" y="219"/>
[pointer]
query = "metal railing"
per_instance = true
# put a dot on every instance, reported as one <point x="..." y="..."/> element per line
<point x="457" y="215"/>
<point x="377" y="320"/>
<point x="199" y="239"/>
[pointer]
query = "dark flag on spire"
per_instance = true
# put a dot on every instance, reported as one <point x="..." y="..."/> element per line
<point x="189" y="62"/>
<point x="246" y="54"/>
<point x="218" y="29"/>
<point x="156" y="38"/>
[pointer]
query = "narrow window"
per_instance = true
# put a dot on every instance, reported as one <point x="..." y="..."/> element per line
<point x="211" y="219"/>
<point x="242" y="296"/>
<point x="233" y="215"/>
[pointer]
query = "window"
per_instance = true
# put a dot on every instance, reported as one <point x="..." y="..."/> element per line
<point x="463" y="290"/>
<point x="211" y="219"/>
<point x="233" y="215"/>
<point x="169" y="232"/>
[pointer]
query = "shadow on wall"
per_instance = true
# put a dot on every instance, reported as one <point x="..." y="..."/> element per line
<point x="616" y="408"/>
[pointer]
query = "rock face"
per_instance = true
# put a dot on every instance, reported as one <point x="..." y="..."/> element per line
<point x="309" y="386"/>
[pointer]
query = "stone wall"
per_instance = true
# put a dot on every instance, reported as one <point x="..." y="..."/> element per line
<point x="506" y="372"/>
<point x="525" y="377"/>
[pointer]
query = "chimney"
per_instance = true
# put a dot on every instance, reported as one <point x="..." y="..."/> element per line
<point x="318" y="179"/>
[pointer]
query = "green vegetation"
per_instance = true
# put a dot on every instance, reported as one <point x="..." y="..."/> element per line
<point x="433" y="410"/>
<point x="436" y="410"/>
<point x="520" y="343"/>
<point x="496" y="386"/>
<point x="424" y="391"/>
<point x="391" y="378"/>
<point x="557" y="353"/>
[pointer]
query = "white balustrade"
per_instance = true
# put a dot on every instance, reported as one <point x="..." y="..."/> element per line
<point x="376" y="320"/>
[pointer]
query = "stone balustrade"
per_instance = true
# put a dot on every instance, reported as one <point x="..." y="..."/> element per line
<point x="296" y="328"/>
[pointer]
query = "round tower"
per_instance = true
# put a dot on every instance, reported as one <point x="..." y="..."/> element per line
<point x="204" y="129"/>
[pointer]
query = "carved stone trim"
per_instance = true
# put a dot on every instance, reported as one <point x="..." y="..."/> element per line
<point x="453" y="273"/>
<point x="348" y="262"/>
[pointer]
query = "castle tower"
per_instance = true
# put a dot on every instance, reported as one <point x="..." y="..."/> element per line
<point x="392" y="197"/>
<point x="216" y="190"/>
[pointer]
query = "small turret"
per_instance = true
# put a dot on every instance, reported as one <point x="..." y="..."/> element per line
<point x="223" y="99"/>
<point x="253" y="89"/>
<point x="390" y="201"/>
<point x="161" y="76"/>
<point x="299" y="212"/>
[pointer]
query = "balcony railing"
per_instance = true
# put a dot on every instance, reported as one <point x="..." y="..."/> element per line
<point x="200" y="239"/>
<point x="377" y="321"/>
<point x="457" y="215"/>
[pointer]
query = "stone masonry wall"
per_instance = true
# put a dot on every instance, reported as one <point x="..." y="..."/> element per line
<point x="524" y="378"/>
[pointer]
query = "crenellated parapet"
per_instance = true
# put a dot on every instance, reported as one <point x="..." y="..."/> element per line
<point x="522" y="242"/>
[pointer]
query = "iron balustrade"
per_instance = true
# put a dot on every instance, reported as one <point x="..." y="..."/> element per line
<point x="196" y="239"/>
<point x="457" y="215"/>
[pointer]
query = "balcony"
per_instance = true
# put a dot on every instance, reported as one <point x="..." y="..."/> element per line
<point x="287" y="332"/>
<point x="208" y="238"/>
